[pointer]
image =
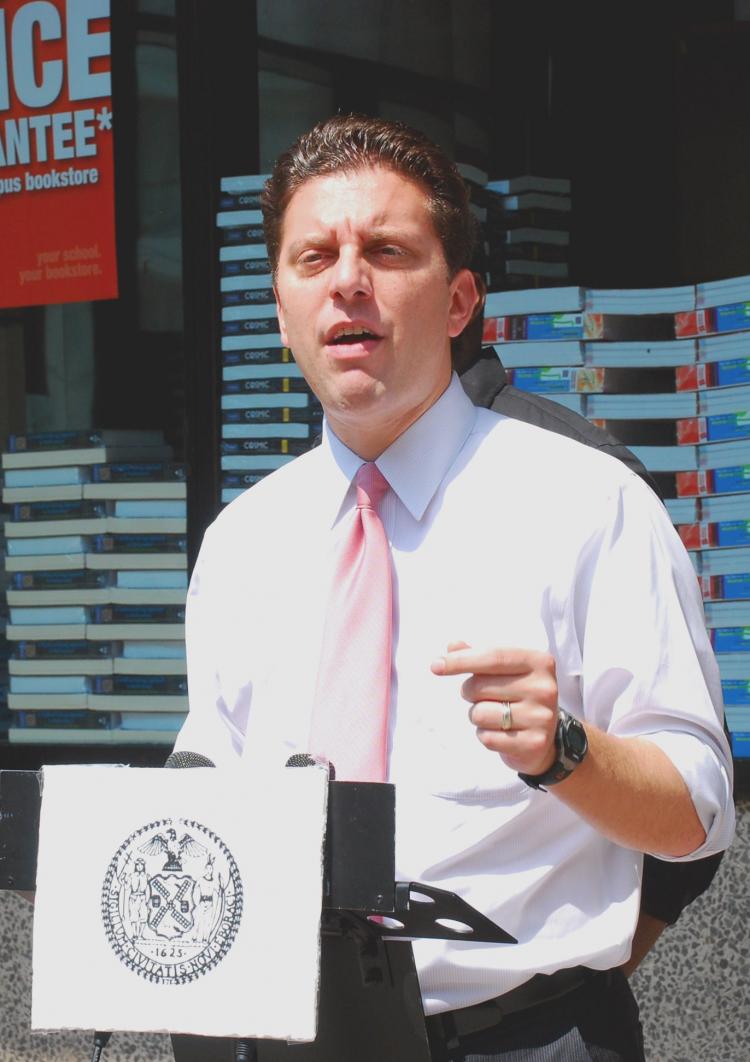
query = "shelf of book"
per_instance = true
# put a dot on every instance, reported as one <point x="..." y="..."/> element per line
<point x="94" y="584"/>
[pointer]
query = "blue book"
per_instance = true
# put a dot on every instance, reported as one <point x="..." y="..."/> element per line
<point x="156" y="650"/>
<point x="63" y="476"/>
<point x="43" y="546"/>
<point x="152" y="580"/>
<point x="151" y="507"/>
<point x="49" y="684"/>
<point x="22" y="617"/>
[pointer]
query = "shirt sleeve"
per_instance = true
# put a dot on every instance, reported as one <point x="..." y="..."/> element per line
<point x="648" y="669"/>
<point x="209" y="728"/>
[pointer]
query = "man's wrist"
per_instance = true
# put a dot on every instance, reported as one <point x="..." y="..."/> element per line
<point x="571" y="746"/>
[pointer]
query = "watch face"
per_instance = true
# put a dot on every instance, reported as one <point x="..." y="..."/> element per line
<point x="575" y="739"/>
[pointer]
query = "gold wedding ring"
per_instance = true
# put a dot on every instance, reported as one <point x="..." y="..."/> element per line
<point x="506" y="719"/>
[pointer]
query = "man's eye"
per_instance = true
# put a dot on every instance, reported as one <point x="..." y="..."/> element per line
<point x="389" y="250"/>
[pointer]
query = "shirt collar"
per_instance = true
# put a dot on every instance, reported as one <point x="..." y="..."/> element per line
<point x="416" y="463"/>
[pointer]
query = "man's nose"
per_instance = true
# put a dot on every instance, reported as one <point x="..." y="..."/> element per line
<point x="350" y="276"/>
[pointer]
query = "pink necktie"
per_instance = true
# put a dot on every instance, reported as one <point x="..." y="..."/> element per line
<point x="350" y="713"/>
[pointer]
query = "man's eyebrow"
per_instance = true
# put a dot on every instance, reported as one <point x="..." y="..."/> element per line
<point x="379" y="233"/>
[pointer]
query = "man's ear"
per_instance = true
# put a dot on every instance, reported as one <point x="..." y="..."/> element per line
<point x="280" y="315"/>
<point x="464" y="299"/>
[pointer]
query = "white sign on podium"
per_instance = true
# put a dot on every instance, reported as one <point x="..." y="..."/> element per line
<point x="182" y="901"/>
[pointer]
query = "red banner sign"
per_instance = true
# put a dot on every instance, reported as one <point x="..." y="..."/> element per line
<point x="57" y="226"/>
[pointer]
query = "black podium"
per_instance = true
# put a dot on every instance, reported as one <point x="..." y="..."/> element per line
<point x="370" y="1007"/>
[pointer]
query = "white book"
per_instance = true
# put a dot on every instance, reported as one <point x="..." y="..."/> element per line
<point x="121" y="632"/>
<point x="228" y="494"/>
<point x="168" y="721"/>
<point x="265" y="431"/>
<point x="36" y="702"/>
<point x="151" y="507"/>
<point x="640" y="300"/>
<point x="73" y="596"/>
<point x="138" y="702"/>
<point x="227" y="219"/>
<point x="45" y="632"/>
<point x="251" y="342"/>
<point x="48" y="529"/>
<point x="722" y="292"/>
<point x="531" y="352"/>
<point x="133" y="649"/>
<point x="247" y="283"/>
<point x="45" y="477"/>
<point x="152" y="580"/>
<point x="260" y="463"/>
<point x="738" y="717"/>
<point x="166" y="489"/>
<point x="72" y="492"/>
<point x="642" y="407"/>
<point x="655" y="353"/>
<point x="90" y="455"/>
<point x="723" y="454"/>
<point x="239" y="252"/>
<point x="723" y="348"/>
<point x="290" y="400"/>
<point x="72" y="683"/>
<point x="726" y="507"/>
<point x="727" y="613"/>
<point x="734" y="665"/>
<point x="262" y="372"/>
<point x="44" y="562"/>
<point x="723" y="561"/>
<point x="23" y="547"/>
<point x="124" y="561"/>
<point x="83" y="736"/>
<point x="72" y="614"/>
<point x="724" y="400"/>
<point x="237" y="185"/>
<point x="249" y="312"/>
<point x="533" y="300"/>
<point x="667" y="458"/>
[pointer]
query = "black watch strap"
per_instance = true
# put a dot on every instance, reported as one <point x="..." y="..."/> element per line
<point x="571" y="745"/>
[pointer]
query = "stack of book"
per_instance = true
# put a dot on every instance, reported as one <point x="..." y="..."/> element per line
<point x="95" y="568"/>
<point x="268" y="413"/>
<point x="667" y="372"/>
<point x="528" y="231"/>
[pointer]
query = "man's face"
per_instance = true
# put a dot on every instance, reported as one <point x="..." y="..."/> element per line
<point x="365" y="303"/>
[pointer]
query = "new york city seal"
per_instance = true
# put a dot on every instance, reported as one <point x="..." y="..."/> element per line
<point x="172" y="901"/>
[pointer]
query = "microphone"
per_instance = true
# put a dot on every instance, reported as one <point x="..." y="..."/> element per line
<point x="188" y="759"/>
<point x="304" y="759"/>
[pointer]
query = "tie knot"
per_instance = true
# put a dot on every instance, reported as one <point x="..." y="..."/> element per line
<point x="371" y="486"/>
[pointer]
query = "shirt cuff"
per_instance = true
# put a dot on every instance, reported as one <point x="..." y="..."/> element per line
<point x="708" y="777"/>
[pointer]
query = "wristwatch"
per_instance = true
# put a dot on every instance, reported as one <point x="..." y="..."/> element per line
<point x="571" y="744"/>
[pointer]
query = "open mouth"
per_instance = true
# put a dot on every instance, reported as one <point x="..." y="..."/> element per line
<point x="352" y="335"/>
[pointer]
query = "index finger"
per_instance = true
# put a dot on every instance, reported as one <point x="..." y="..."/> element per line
<point x="484" y="662"/>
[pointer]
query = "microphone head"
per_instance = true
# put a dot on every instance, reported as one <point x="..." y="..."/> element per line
<point x="188" y="759"/>
<point x="304" y="759"/>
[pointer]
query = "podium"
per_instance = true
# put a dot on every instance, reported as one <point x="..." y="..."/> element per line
<point x="370" y="1006"/>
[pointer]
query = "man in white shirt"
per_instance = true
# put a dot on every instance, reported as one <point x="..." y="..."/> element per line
<point x="582" y="658"/>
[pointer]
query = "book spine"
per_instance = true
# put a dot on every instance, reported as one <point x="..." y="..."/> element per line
<point x="139" y="543"/>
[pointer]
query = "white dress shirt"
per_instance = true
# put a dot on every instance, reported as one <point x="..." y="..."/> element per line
<point x="502" y="535"/>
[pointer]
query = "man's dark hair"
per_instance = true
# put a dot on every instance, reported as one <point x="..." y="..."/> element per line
<point x="351" y="142"/>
